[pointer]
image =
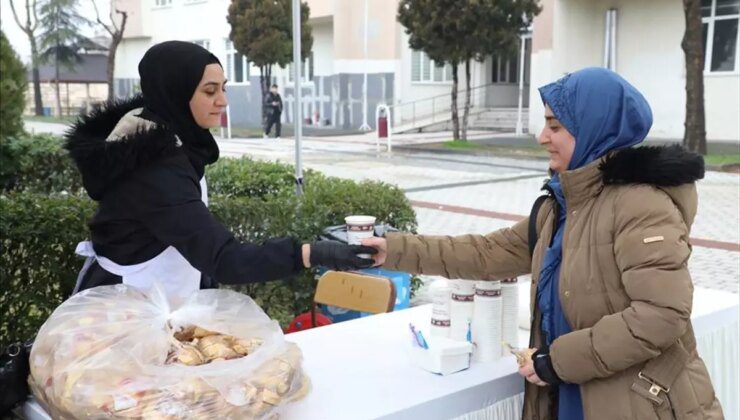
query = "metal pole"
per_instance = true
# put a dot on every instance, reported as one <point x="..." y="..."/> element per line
<point x="521" y="87"/>
<point x="613" y="40"/>
<point x="607" y="34"/>
<point x="228" y="121"/>
<point x="364" y="126"/>
<point x="297" y="94"/>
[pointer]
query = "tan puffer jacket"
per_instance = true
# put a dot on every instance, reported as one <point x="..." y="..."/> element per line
<point x="625" y="288"/>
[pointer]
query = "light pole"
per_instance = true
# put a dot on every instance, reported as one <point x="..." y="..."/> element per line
<point x="297" y="95"/>
<point x="365" y="126"/>
<point x="522" y="51"/>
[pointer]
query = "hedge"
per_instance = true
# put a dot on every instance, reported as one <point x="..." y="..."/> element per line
<point x="41" y="225"/>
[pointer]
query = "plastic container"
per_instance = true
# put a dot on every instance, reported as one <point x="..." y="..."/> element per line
<point x="443" y="357"/>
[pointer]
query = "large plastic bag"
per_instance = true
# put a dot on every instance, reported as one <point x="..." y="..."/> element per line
<point x="107" y="352"/>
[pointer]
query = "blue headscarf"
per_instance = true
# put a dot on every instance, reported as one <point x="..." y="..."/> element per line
<point x="604" y="113"/>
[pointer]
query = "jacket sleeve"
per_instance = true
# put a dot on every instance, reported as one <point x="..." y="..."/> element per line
<point x="651" y="250"/>
<point x="166" y="198"/>
<point x="501" y="254"/>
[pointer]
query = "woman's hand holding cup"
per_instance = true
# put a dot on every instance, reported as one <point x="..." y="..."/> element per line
<point x="381" y="245"/>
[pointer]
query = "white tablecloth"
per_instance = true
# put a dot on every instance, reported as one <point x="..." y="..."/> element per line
<point x="360" y="369"/>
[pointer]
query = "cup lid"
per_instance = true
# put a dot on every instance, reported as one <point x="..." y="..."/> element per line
<point x="360" y="220"/>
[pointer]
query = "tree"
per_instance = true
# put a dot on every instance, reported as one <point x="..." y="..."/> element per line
<point x="493" y="27"/>
<point x="116" y="33"/>
<point x="695" y="135"/>
<point x="458" y="31"/>
<point x="262" y="30"/>
<point x="61" y="38"/>
<point x="12" y="91"/>
<point x="29" y="28"/>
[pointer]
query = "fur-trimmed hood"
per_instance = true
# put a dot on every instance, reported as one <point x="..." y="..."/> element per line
<point x="662" y="166"/>
<point x="113" y="140"/>
<point x="671" y="169"/>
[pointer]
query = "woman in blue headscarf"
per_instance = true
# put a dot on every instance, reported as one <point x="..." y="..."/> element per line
<point x="608" y="252"/>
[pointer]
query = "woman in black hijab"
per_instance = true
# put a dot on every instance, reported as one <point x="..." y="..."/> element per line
<point x="143" y="161"/>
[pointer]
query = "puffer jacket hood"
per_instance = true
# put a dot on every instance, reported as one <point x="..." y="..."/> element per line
<point x="113" y="140"/>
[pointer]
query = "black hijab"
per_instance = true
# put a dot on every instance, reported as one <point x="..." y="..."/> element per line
<point x="170" y="72"/>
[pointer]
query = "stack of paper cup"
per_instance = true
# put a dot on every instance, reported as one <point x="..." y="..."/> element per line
<point x="510" y="312"/>
<point x="440" y="291"/>
<point x="461" y="308"/>
<point x="487" y="313"/>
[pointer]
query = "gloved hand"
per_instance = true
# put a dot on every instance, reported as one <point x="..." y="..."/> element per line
<point x="336" y="255"/>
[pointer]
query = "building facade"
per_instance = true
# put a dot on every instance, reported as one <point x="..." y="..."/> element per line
<point x="334" y="74"/>
<point x="642" y="42"/>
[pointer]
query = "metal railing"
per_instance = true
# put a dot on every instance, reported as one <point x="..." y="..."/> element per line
<point x="436" y="108"/>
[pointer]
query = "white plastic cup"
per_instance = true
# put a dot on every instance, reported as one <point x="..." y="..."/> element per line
<point x="359" y="228"/>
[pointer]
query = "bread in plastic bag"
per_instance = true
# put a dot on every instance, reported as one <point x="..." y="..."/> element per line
<point x="112" y="352"/>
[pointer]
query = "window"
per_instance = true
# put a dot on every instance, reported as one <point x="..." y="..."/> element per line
<point x="505" y="68"/>
<point x="426" y="70"/>
<point x="203" y="43"/>
<point x="237" y="65"/>
<point x="160" y="3"/>
<point x="306" y="71"/>
<point x="720" y="33"/>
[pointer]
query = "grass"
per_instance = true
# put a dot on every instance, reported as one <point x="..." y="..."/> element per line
<point x="523" y="149"/>
<point x="722" y="159"/>
<point x="464" y="145"/>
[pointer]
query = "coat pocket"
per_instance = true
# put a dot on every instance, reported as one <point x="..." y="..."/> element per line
<point x="647" y="405"/>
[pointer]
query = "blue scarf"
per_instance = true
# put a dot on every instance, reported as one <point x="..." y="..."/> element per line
<point x="604" y="113"/>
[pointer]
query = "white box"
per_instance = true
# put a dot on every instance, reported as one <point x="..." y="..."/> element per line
<point x="444" y="355"/>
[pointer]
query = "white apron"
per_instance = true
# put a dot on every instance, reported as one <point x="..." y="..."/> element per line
<point x="170" y="269"/>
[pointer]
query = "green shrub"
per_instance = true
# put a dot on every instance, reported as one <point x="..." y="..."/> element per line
<point x="37" y="163"/>
<point x="12" y="91"/>
<point x="251" y="178"/>
<point x="38" y="267"/>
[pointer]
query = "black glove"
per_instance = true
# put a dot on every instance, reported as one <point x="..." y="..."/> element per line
<point x="544" y="369"/>
<point x="336" y="255"/>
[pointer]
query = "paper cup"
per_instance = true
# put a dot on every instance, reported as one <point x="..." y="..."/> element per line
<point x="359" y="228"/>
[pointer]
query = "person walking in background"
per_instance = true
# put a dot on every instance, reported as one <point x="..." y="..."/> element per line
<point x="274" y="107"/>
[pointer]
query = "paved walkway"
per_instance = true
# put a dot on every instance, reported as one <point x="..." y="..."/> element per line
<point x="459" y="194"/>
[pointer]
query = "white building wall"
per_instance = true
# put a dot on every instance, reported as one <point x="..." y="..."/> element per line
<point x="323" y="51"/>
<point x="184" y="21"/>
<point x="128" y="56"/>
<point x="649" y="55"/>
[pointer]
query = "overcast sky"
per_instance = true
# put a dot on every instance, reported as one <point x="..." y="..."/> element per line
<point x="18" y="39"/>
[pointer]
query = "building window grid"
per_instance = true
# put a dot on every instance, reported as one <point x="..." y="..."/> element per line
<point x="425" y="70"/>
<point x="710" y="18"/>
<point x="237" y="65"/>
<point x="505" y="69"/>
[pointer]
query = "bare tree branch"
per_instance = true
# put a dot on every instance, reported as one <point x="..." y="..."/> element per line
<point x="35" y="17"/>
<point x="25" y="29"/>
<point x="100" y="21"/>
<point x="124" y="18"/>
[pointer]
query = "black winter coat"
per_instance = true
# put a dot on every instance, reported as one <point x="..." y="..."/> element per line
<point x="149" y="197"/>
